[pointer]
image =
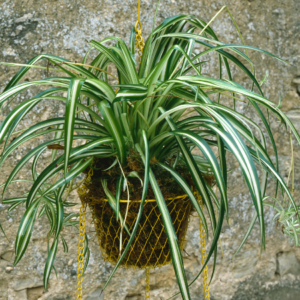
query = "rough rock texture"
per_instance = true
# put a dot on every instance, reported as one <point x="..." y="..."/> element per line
<point x="63" y="27"/>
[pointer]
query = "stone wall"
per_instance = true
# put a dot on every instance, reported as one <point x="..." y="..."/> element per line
<point x="63" y="27"/>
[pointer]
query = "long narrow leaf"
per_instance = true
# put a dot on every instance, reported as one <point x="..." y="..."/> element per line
<point x="73" y="94"/>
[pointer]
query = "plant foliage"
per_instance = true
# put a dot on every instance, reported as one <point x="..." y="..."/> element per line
<point x="166" y="109"/>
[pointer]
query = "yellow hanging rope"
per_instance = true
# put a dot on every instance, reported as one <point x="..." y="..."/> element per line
<point x="147" y="292"/>
<point x="81" y="238"/>
<point x="80" y="252"/>
<point x="204" y="256"/>
<point x="138" y="34"/>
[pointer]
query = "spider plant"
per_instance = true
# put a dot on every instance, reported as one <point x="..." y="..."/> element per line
<point x="164" y="107"/>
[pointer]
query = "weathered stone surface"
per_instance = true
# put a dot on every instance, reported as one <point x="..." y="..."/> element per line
<point x="3" y="288"/>
<point x="283" y="293"/>
<point x="7" y="255"/>
<point x="35" y="293"/>
<point x="287" y="263"/>
<point x="17" y="295"/>
<point x="95" y="295"/>
<point x="62" y="27"/>
<point x="27" y="282"/>
<point x="8" y="269"/>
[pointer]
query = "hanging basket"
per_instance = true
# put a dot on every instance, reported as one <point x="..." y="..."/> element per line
<point x="150" y="246"/>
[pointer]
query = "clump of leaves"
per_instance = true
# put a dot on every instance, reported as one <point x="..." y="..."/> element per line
<point x="145" y="113"/>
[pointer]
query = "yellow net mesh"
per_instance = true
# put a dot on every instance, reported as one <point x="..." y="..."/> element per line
<point x="150" y="246"/>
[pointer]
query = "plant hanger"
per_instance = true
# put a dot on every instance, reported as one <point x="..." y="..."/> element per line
<point x="83" y="191"/>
